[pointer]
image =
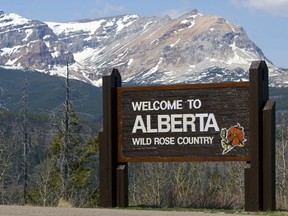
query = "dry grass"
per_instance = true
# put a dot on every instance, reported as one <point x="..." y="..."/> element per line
<point x="64" y="204"/>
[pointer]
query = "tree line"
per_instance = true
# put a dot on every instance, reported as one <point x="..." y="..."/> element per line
<point x="47" y="161"/>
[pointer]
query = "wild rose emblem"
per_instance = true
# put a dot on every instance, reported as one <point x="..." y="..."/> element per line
<point x="231" y="138"/>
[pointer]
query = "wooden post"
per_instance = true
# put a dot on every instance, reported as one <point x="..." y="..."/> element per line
<point x="108" y="140"/>
<point x="269" y="199"/>
<point x="122" y="185"/>
<point x="259" y="94"/>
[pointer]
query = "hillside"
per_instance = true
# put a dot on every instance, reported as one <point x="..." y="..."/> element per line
<point x="46" y="94"/>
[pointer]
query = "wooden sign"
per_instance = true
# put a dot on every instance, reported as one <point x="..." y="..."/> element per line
<point x="196" y="122"/>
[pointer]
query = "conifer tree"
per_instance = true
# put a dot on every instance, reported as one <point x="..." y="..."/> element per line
<point x="70" y="154"/>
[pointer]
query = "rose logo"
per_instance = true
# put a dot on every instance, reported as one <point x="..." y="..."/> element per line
<point x="231" y="138"/>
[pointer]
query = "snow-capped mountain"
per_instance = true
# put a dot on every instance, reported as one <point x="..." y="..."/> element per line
<point x="191" y="48"/>
<point x="30" y="44"/>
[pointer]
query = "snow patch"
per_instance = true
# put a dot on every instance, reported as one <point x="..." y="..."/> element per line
<point x="130" y="62"/>
<point x="147" y="24"/>
<point x="55" y="54"/>
<point x="188" y="24"/>
<point x="172" y="45"/>
<point x="129" y="79"/>
<point x="213" y="60"/>
<point x="46" y="37"/>
<point x="151" y="34"/>
<point x="97" y="83"/>
<point x="109" y="23"/>
<point x="87" y="53"/>
<point x="9" y="51"/>
<point x="241" y="56"/>
<point x="194" y="16"/>
<point x="154" y="69"/>
<point x="66" y="28"/>
<point x="12" y="62"/>
<point x="28" y="34"/>
<point x="10" y="19"/>
<point x="125" y="22"/>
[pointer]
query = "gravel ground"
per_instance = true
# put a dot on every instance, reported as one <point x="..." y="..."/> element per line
<point x="50" y="211"/>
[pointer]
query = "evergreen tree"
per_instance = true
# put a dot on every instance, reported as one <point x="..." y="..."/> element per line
<point x="70" y="156"/>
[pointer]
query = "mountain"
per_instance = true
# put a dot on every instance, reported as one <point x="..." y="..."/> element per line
<point x="30" y="44"/>
<point x="146" y="50"/>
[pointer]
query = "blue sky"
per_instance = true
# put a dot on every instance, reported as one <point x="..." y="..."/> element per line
<point x="265" y="21"/>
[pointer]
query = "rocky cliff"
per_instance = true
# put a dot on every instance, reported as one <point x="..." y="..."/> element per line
<point x="191" y="48"/>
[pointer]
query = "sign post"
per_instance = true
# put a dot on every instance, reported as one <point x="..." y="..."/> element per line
<point x="262" y="139"/>
<point x="193" y="122"/>
<point x="113" y="175"/>
<point x="269" y="197"/>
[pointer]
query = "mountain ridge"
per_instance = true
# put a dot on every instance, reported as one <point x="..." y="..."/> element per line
<point x="146" y="50"/>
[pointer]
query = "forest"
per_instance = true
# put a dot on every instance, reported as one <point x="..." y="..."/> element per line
<point x="49" y="156"/>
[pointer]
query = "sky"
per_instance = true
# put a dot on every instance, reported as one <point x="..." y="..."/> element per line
<point x="265" y="21"/>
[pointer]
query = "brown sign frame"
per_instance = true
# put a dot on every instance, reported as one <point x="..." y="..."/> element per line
<point x="259" y="173"/>
<point x="161" y="154"/>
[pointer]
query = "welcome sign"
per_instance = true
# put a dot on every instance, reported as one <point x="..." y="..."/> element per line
<point x="195" y="122"/>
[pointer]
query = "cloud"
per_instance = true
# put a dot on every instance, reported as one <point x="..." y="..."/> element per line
<point x="173" y="13"/>
<point x="103" y="9"/>
<point x="111" y="9"/>
<point x="275" y="7"/>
